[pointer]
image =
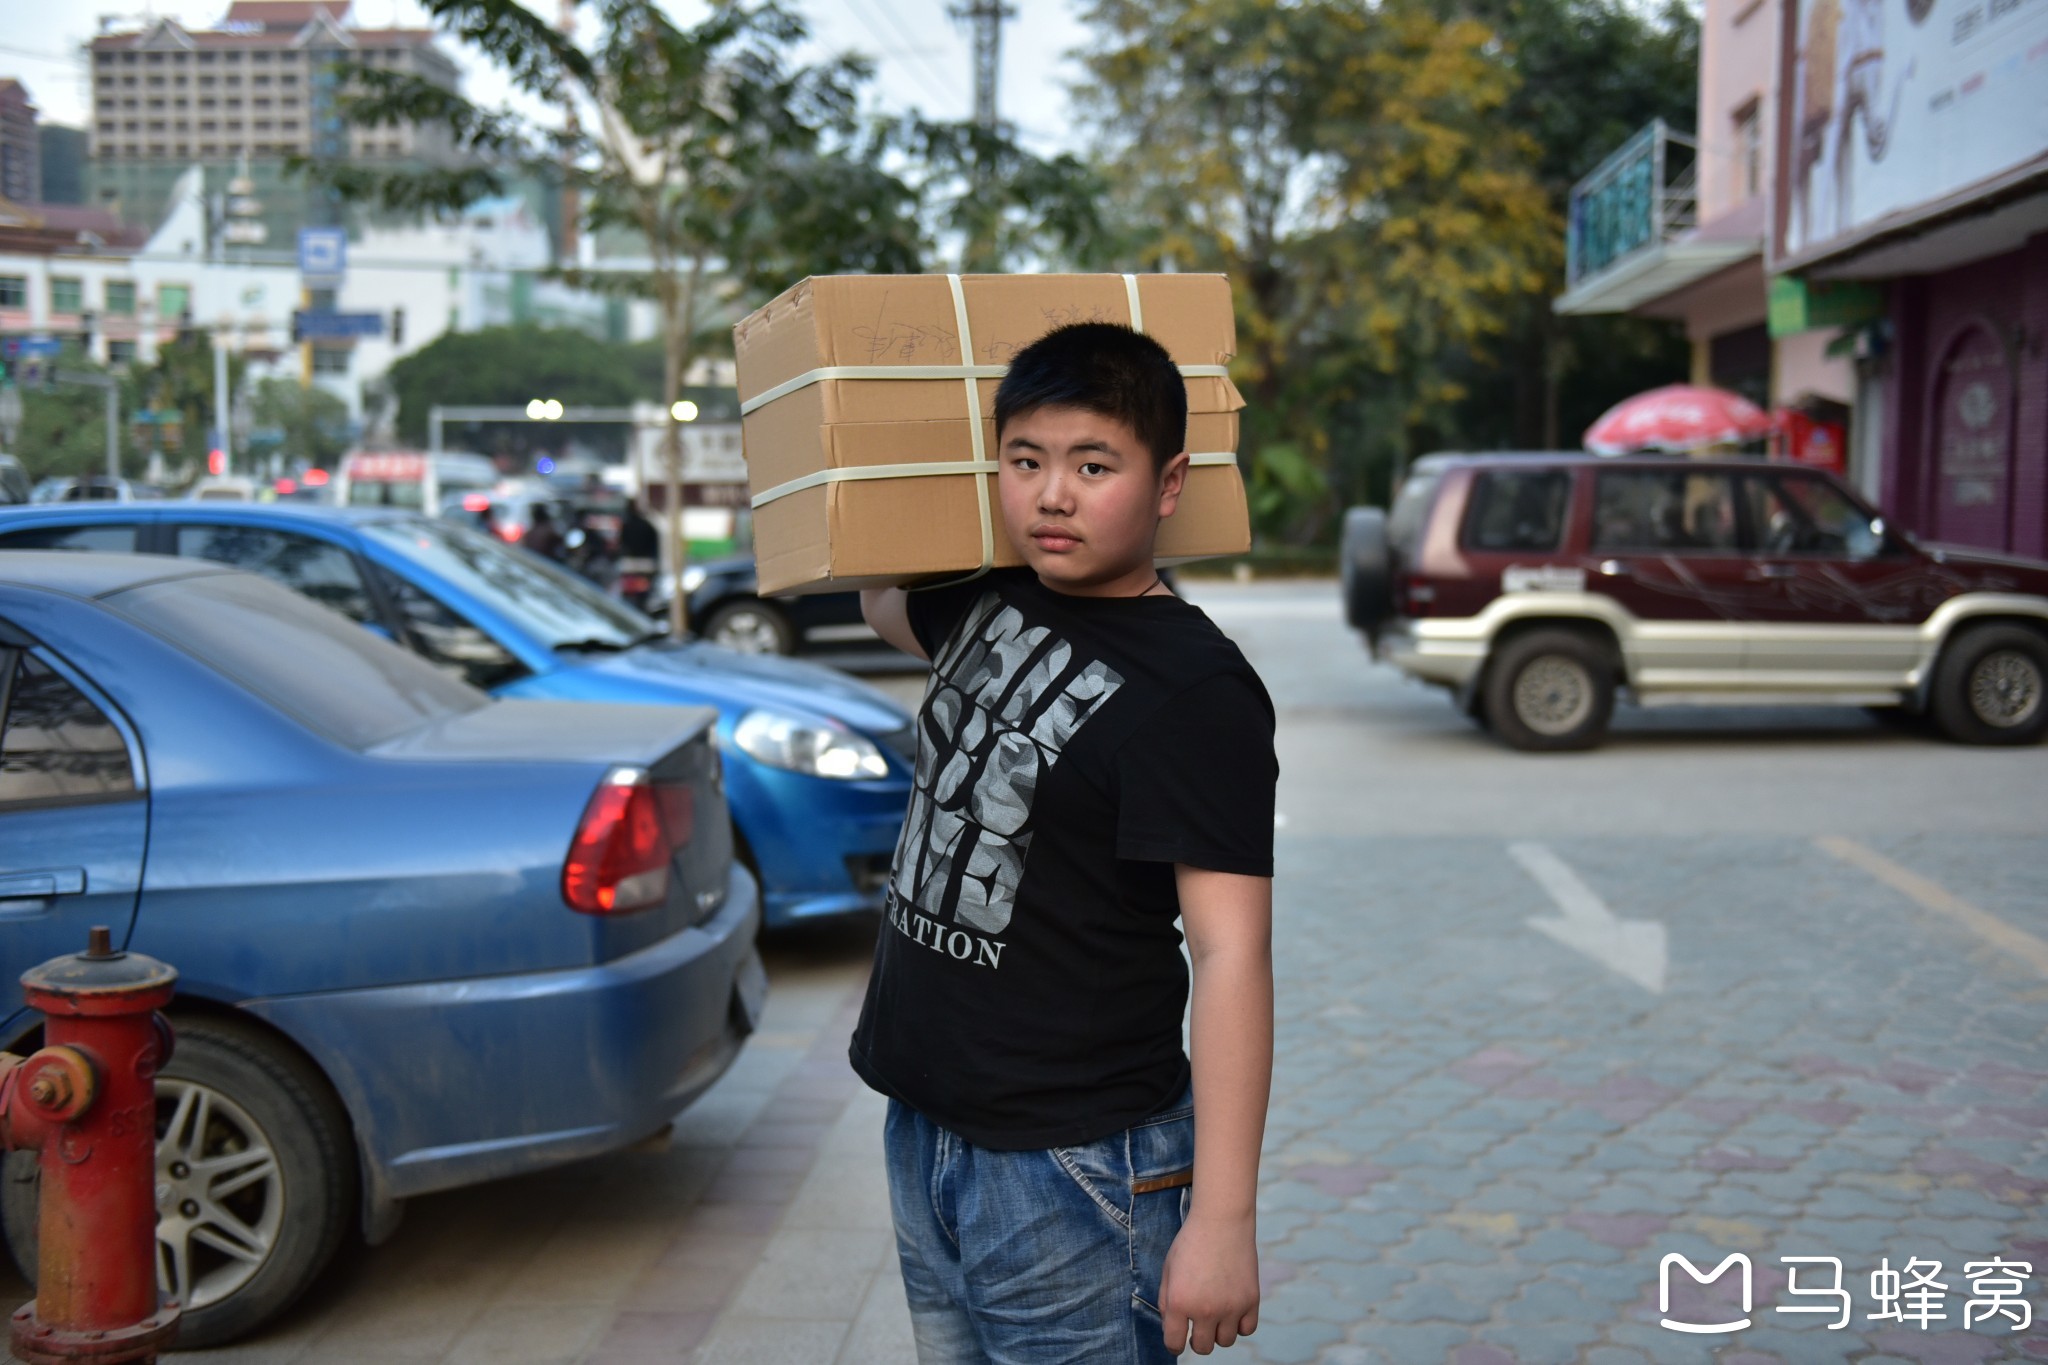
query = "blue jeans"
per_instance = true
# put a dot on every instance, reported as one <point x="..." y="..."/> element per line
<point x="1038" y="1257"/>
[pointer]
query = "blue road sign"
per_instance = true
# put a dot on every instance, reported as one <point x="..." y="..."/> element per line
<point x="29" y="348"/>
<point x="323" y="253"/>
<point x="312" y="326"/>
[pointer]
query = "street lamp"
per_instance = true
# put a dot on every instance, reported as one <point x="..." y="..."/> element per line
<point x="544" y="410"/>
<point x="683" y="410"/>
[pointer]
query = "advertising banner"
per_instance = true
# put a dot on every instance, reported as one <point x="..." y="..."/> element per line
<point x="1891" y="106"/>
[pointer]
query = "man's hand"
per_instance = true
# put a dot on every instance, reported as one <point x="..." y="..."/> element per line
<point x="1209" y="1291"/>
<point x="888" y="615"/>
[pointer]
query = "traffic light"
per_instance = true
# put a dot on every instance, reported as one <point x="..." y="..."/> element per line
<point x="216" y="462"/>
<point x="398" y="327"/>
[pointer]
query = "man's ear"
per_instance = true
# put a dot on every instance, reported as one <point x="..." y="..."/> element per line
<point x="1172" y="480"/>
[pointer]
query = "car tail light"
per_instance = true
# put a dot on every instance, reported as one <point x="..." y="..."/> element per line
<point x="1417" y="595"/>
<point x="476" y="502"/>
<point x="619" y="859"/>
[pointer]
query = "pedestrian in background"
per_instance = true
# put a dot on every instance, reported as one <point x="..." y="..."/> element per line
<point x="639" y="555"/>
<point x="542" y="537"/>
<point x="1095" y="763"/>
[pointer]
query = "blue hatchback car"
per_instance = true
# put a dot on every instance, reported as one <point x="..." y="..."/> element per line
<point x="423" y="938"/>
<point x="818" y="764"/>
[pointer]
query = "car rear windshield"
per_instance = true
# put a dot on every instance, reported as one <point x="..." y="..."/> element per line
<point x="1404" y="520"/>
<point x="1518" y="509"/>
<point x="559" y="608"/>
<point x="316" y="665"/>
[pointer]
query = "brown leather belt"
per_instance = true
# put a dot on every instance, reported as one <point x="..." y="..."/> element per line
<point x="1154" y="1183"/>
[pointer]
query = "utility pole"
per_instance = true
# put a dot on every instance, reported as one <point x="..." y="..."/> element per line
<point x="984" y="19"/>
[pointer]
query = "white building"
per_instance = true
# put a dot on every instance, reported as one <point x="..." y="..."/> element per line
<point x="484" y="268"/>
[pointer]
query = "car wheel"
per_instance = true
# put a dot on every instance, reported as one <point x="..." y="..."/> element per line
<point x="1365" y="565"/>
<point x="751" y="626"/>
<point x="255" y="1178"/>
<point x="1991" y="686"/>
<point x="1550" y="690"/>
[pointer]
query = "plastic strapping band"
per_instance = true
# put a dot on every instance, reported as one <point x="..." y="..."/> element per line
<point x="1137" y="309"/>
<point x="980" y="442"/>
<point x="827" y="372"/>
<point x="926" y="469"/>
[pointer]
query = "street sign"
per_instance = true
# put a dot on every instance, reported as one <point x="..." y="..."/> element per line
<point x="323" y="253"/>
<point x="30" y="348"/>
<point x="313" y="326"/>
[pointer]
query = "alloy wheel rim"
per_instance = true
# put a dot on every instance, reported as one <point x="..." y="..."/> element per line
<point x="219" y="1194"/>
<point x="1553" y="694"/>
<point x="749" y="632"/>
<point x="2005" y="688"/>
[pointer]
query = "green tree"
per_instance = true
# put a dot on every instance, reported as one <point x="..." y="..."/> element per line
<point x="181" y="381"/>
<point x="700" y="139"/>
<point x="512" y="365"/>
<point x="1351" y="171"/>
<point x="64" y="429"/>
<point x="313" y="422"/>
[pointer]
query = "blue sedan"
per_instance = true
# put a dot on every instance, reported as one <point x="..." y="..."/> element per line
<point x="423" y="938"/>
<point x="819" y="764"/>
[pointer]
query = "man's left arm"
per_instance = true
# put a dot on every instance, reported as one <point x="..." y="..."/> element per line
<point x="1209" y="1290"/>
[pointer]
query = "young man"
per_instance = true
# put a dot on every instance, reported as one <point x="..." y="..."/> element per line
<point x="1094" y="761"/>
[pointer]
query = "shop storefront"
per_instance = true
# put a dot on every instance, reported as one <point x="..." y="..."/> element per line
<point x="1913" y="172"/>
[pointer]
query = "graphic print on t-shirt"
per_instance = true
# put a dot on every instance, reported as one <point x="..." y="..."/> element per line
<point x="1004" y="702"/>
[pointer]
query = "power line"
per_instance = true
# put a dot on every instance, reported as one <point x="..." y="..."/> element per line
<point x="931" y="78"/>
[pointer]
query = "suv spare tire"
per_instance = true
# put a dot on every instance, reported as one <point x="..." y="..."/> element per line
<point x="1366" y="566"/>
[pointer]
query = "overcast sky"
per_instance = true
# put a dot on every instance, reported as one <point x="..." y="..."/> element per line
<point x="922" y="55"/>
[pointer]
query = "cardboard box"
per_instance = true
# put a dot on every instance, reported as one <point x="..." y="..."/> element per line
<point x="858" y="372"/>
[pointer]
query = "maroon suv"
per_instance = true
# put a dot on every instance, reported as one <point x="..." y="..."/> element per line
<point x="1536" y="587"/>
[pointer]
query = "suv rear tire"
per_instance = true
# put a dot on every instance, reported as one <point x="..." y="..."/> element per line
<point x="1550" y="690"/>
<point x="1991" y="686"/>
<point x="1366" y="567"/>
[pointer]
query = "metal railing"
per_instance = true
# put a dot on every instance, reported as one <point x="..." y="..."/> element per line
<point x="1643" y="195"/>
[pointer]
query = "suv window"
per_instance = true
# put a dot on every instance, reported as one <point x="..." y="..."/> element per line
<point x="445" y="637"/>
<point x="1798" y="514"/>
<point x="55" y="745"/>
<point x="1518" y="509"/>
<point x="114" y="539"/>
<point x="1662" y="511"/>
<point x="336" y="678"/>
<point x="318" y="569"/>
<point x="1404" y="519"/>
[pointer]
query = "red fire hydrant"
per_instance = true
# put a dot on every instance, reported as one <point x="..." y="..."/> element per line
<point x="87" y="1103"/>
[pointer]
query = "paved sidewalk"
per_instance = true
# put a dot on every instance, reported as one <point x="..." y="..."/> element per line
<point x="1774" y="985"/>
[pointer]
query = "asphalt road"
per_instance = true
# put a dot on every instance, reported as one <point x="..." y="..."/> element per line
<point x="1764" y="983"/>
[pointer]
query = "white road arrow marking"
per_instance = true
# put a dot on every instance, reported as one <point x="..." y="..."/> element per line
<point x="1633" y="947"/>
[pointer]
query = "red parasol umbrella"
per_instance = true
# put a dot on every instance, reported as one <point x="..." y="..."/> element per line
<point x="1677" y="417"/>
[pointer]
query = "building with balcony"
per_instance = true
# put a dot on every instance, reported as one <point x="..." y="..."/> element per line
<point x="1859" y="227"/>
<point x="1673" y="226"/>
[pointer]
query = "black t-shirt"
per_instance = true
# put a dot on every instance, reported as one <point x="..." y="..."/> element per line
<point x="1028" y="986"/>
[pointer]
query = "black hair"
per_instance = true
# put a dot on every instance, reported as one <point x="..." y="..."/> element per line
<point x="1103" y="368"/>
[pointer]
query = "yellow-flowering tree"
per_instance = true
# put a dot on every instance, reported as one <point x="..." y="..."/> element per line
<point x="1348" y="166"/>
